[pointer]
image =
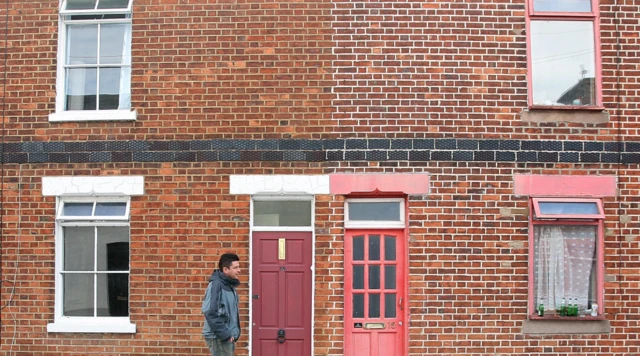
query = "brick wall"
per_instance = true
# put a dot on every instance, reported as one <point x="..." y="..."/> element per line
<point x="318" y="87"/>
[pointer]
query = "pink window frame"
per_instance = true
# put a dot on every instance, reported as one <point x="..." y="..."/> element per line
<point x="536" y="208"/>
<point x="568" y="220"/>
<point x="593" y="16"/>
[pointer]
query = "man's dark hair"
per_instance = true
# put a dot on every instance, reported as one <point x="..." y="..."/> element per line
<point x="227" y="259"/>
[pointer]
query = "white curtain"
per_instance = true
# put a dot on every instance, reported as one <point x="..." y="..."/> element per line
<point x="125" y="72"/>
<point x="564" y="260"/>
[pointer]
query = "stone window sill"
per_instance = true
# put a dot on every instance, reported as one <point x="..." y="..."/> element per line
<point x="94" y="115"/>
<point x="582" y="116"/>
<point x="92" y="325"/>
<point x="564" y="325"/>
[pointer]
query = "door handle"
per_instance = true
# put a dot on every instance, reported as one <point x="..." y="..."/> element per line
<point x="281" y="336"/>
<point x="400" y="304"/>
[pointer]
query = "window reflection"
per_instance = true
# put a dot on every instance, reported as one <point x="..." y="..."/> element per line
<point x="358" y="277"/>
<point x="374" y="305"/>
<point x="358" y="305"/>
<point x="563" y="63"/>
<point x="568" y="208"/>
<point x="374" y="277"/>
<point x="562" y="5"/>
<point x="374" y="247"/>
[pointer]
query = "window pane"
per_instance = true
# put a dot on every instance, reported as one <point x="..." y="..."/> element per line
<point x="82" y="44"/>
<point x="113" y="248"/>
<point x="111" y="209"/>
<point x="282" y="213"/>
<point x="113" y="4"/>
<point x="78" y="248"/>
<point x="358" y="277"/>
<point x="562" y="5"/>
<point x="113" y="294"/>
<point x="390" y="305"/>
<point x="562" y="208"/>
<point x="358" y="248"/>
<point x="563" y="63"/>
<point x="78" y="294"/>
<point x="565" y="257"/>
<point x="81" y="5"/>
<point x="390" y="248"/>
<point x="112" y="42"/>
<point x="109" y="88"/>
<point x="374" y="277"/>
<point x="374" y="248"/>
<point x="77" y="209"/>
<point x="374" y="211"/>
<point x="374" y="305"/>
<point x="390" y="277"/>
<point x="358" y="305"/>
<point x="81" y="88"/>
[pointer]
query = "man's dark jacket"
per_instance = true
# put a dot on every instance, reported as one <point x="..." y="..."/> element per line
<point x="220" y="308"/>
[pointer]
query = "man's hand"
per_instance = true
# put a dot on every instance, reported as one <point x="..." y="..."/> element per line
<point x="231" y="339"/>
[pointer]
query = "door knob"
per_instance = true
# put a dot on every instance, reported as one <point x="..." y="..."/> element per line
<point x="281" y="336"/>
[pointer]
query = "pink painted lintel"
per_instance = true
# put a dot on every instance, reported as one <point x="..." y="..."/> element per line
<point x="344" y="184"/>
<point x="564" y="186"/>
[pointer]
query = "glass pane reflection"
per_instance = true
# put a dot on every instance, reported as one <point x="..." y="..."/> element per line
<point x="78" y="294"/>
<point x="374" y="305"/>
<point x="79" y="247"/>
<point x="358" y="277"/>
<point x="282" y="213"/>
<point x="113" y="294"/>
<point x="374" y="211"/>
<point x="358" y="248"/>
<point x="389" y="277"/>
<point x="389" y="248"/>
<point x="562" y="5"/>
<point x="82" y="44"/>
<point x="563" y="63"/>
<point x="390" y="305"/>
<point x="374" y="277"/>
<point x="553" y="208"/>
<point x="374" y="248"/>
<point x="358" y="305"/>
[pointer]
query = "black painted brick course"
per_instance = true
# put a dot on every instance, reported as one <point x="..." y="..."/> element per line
<point x="420" y="156"/>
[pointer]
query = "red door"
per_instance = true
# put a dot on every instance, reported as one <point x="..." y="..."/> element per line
<point x="281" y="296"/>
<point x="374" y="293"/>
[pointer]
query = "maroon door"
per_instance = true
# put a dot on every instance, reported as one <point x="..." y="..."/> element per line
<point x="281" y="295"/>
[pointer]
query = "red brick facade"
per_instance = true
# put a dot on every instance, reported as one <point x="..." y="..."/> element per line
<point x="319" y="87"/>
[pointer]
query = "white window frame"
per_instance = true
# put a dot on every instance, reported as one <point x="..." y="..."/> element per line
<point x="372" y="224"/>
<point x="62" y="115"/>
<point x="88" y="189"/>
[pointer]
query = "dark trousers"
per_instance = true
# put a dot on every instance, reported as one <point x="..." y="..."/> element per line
<point x="220" y="348"/>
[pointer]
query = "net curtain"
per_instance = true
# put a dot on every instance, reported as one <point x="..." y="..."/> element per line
<point x="564" y="264"/>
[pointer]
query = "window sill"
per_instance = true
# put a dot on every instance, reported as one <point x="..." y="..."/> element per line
<point x="94" y="115"/>
<point x="92" y="325"/>
<point x="558" y="325"/>
<point x="567" y="114"/>
<point x="558" y="317"/>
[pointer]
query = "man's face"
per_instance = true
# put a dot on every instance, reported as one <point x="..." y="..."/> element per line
<point x="233" y="271"/>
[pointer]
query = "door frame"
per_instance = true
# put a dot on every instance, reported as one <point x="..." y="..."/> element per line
<point x="404" y="227"/>
<point x="252" y="229"/>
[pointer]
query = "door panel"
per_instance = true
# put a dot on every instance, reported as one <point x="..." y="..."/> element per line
<point x="281" y="277"/>
<point x="374" y="292"/>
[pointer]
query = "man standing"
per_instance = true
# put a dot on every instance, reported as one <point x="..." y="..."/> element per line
<point x="220" y="307"/>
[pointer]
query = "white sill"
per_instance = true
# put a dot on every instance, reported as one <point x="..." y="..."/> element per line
<point x="92" y="325"/>
<point x="94" y="115"/>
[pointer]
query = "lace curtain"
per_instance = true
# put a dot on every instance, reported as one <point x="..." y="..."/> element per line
<point x="564" y="260"/>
